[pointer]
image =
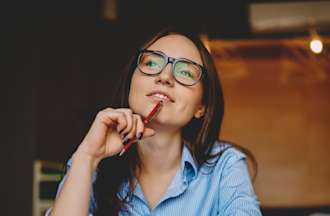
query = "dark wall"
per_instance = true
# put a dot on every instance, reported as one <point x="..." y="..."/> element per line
<point x="73" y="57"/>
<point x="62" y="62"/>
<point x="58" y="71"/>
<point x="18" y="124"/>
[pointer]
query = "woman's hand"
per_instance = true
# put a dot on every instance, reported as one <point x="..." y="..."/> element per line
<point x="110" y="127"/>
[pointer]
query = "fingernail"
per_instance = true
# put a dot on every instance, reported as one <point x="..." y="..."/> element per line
<point x="124" y="135"/>
<point x="125" y="140"/>
<point x="140" y="135"/>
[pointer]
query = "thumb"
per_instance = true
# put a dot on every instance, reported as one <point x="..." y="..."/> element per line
<point x="148" y="132"/>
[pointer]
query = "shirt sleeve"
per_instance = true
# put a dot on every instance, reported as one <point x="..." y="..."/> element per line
<point x="237" y="196"/>
<point x="92" y="203"/>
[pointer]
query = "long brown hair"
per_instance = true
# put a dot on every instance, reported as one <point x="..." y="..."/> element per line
<point x="199" y="134"/>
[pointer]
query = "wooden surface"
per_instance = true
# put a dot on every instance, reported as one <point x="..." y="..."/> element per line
<point x="279" y="107"/>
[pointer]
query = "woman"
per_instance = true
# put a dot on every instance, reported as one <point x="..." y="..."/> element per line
<point x="177" y="167"/>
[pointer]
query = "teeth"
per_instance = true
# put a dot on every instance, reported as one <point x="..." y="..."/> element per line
<point x="161" y="96"/>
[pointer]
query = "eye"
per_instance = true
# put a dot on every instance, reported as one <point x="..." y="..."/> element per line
<point x="186" y="73"/>
<point x="151" y="64"/>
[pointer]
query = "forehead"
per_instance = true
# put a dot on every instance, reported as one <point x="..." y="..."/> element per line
<point x="177" y="46"/>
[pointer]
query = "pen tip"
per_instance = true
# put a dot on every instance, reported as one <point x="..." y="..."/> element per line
<point x="122" y="152"/>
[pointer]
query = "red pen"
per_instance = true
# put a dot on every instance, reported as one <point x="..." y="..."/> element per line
<point x="146" y="121"/>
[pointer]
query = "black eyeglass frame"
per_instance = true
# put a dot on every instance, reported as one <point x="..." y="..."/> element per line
<point x="173" y="61"/>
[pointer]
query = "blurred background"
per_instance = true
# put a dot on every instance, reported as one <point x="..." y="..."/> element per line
<point x="62" y="60"/>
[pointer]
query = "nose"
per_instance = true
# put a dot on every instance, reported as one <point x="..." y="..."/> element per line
<point x="166" y="76"/>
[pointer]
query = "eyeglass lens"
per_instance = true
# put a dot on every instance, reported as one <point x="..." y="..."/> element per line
<point x="184" y="72"/>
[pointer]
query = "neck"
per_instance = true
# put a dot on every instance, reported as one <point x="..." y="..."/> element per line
<point x="160" y="153"/>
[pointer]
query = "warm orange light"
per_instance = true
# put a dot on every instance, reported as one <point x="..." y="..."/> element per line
<point x="316" y="46"/>
<point x="204" y="38"/>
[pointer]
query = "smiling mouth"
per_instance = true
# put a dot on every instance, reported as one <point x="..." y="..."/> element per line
<point x="159" y="96"/>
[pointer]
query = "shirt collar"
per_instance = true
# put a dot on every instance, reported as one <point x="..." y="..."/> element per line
<point x="189" y="167"/>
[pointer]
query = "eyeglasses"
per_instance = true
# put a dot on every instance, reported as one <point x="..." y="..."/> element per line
<point x="184" y="71"/>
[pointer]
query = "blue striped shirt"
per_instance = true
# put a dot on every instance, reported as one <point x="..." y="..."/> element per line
<point x="224" y="189"/>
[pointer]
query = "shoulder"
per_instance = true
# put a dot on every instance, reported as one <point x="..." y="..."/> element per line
<point x="223" y="158"/>
<point x="236" y="192"/>
<point x="226" y="153"/>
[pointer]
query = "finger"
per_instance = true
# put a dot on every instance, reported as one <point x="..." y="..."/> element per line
<point x="148" y="132"/>
<point x="129" y="119"/>
<point x="112" y="118"/>
<point x="139" y="126"/>
<point x="132" y="132"/>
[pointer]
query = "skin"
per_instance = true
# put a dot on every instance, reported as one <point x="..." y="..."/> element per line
<point x="161" y="154"/>
<point x="166" y="142"/>
<point x="160" y="147"/>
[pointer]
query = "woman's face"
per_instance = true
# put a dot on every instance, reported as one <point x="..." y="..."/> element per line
<point x="185" y="101"/>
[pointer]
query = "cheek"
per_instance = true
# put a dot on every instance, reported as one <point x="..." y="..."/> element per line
<point x="189" y="107"/>
<point x="137" y="91"/>
<point x="191" y="102"/>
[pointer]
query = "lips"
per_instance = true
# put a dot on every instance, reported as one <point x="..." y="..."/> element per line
<point x="161" y="96"/>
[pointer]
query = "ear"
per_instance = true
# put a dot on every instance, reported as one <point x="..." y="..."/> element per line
<point x="200" y="112"/>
